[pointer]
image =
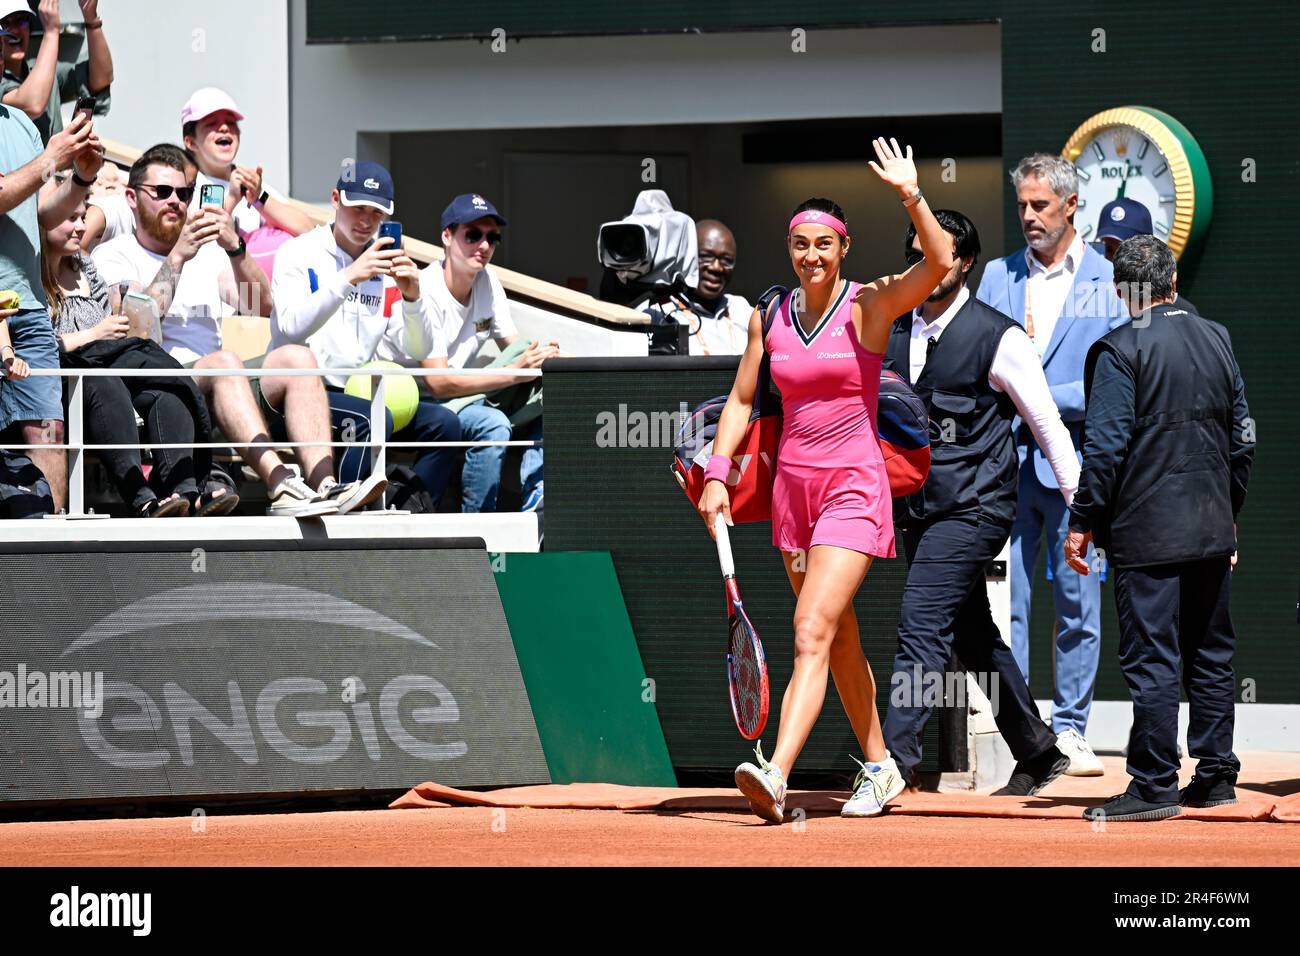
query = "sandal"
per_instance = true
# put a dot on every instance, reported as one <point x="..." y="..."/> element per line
<point x="174" y="506"/>
<point x="220" y="496"/>
<point x="216" y="501"/>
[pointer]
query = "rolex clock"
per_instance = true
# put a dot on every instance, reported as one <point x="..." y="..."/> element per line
<point x="1140" y="153"/>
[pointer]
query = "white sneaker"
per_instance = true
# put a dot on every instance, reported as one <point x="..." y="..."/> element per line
<point x="1083" y="762"/>
<point x="355" y="494"/>
<point x="293" y="497"/>
<point x="764" y="785"/>
<point x="875" y="786"/>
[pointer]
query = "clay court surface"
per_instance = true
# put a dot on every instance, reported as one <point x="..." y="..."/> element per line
<point x="697" y="827"/>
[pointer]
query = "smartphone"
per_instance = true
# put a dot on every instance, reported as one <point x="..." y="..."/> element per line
<point x="142" y="312"/>
<point x="393" y="230"/>
<point x="213" y="194"/>
<point x="85" y="104"/>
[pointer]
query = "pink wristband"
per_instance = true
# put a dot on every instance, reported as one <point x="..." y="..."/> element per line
<point x="719" y="467"/>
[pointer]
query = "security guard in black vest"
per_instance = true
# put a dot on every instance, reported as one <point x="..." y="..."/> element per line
<point x="976" y="370"/>
<point x="1167" y="453"/>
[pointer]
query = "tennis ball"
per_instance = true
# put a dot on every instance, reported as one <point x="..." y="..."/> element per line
<point x="401" y="394"/>
<point x="9" y="299"/>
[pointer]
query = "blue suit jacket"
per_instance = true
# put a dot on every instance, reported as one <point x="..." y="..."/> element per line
<point x="1091" y="310"/>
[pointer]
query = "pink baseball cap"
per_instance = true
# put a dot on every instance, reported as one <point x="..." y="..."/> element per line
<point x="207" y="101"/>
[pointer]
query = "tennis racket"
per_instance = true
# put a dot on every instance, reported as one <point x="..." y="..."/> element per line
<point x="746" y="665"/>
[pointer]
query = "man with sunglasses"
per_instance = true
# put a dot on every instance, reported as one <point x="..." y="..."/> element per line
<point x="195" y="267"/>
<point x="469" y="307"/>
<point x="344" y="294"/>
<point x="976" y="370"/>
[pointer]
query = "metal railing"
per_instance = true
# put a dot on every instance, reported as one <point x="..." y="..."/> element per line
<point x="378" y="444"/>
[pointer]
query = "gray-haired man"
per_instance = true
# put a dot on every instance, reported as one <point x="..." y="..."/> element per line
<point x="1060" y="289"/>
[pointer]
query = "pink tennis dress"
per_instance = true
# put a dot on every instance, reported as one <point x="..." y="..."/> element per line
<point x="831" y="486"/>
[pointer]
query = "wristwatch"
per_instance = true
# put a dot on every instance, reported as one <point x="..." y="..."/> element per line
<point x="239" y="250"/>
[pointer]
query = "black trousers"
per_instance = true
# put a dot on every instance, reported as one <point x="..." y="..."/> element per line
<point x="110" y="406"/>
<point x="1172" y="613"/>
<point x="946" y="609"/>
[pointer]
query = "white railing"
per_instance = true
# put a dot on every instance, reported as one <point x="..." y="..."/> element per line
<point x="76" y="447"/>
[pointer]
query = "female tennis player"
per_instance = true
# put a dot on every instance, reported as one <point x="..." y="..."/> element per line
<point x="831" y="506"/>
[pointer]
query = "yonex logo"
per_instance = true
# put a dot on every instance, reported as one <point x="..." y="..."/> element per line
<point x="837" y="332"/>
<point x="812" y="216"/>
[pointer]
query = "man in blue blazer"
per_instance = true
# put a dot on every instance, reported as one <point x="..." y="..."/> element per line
<point x="1061" y="290"/>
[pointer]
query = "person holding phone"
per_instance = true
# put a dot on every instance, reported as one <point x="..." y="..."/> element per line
<point x="344" y="291"/>
<point x="195" y="267"/>
<point x="40" y="85"/>
<point x="92" y="334"/>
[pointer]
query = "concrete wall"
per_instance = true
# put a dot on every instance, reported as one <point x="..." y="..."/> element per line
<point x="162" y="52"/>
<point x="342" y="91"/>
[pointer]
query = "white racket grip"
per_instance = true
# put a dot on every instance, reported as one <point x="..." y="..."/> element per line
<point x="724" y="546"/>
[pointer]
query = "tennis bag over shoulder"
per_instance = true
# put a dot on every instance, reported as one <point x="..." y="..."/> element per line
<point x="902" y="426"/>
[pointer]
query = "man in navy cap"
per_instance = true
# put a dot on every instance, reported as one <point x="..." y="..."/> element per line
<point x="469" y="307"/>
<point x="347" y="294"/>
<point x="1122" y="219"/>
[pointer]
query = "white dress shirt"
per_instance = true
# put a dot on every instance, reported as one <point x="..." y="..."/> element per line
<point x="1047" y="290"/>
<point x="1017" y="370"/>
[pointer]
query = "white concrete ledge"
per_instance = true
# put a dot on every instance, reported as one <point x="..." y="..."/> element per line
<point x="510" y="531"/>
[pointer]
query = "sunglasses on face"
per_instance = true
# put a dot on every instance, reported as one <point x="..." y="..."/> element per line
<point x="913" y="257"/>
<point x="474" y="236"/>
<point x="162" y="192"/>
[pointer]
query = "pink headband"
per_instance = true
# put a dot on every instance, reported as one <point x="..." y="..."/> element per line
<point x="818" y="218"/>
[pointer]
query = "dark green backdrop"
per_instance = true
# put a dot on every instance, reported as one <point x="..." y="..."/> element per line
<point x="1229" y="72"/>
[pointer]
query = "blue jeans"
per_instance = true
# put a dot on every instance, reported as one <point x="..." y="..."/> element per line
<point x="481" y="477"/>
<point x="1077" y="598"/>
<point x="432" y="422"/>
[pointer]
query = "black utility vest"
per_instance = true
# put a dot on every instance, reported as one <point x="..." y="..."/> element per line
<point x="1172" y="497"/>
<point x="973" y="464"/>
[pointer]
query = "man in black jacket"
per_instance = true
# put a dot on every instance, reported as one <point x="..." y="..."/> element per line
<point x="1168" y="448"/>
<point x="976" y="370"/>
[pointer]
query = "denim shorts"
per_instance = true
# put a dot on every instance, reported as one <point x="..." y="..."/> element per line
<point x="33" y="399"/>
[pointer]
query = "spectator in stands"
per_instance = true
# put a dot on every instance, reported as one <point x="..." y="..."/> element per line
<point x="343" y="292"/>
<point x="717" y="322"/>
<point x="723" y="318"/>
<point x="210" y="127"/>
<point x="469" y="307"/>
<point x="173" y="411"/>
<point x="30" y="408"/>
<point x="195" y="266"/>
<point x="40" y="86"/>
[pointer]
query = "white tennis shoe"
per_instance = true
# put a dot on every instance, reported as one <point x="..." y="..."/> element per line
<point x="764" y="786"/>
<point x="1083" y="762"/>
<point x="875" y="785"/>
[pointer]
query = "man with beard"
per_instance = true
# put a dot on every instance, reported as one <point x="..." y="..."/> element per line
<point x="1059" y="288"/>
<point x="194" y="265"/>
<point x="976" y="371"/>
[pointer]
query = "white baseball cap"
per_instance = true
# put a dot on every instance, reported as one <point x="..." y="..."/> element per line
<point x="15" y="6"/>
<point x="207" y="101"/>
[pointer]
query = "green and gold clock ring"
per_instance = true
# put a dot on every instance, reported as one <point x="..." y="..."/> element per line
<point x="1144" y="154"/>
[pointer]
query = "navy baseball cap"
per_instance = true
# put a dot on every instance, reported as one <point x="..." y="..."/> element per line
<point x="366" y="184"/>
<point x="466" y="208"/>
<point x="1123" y="219"/>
